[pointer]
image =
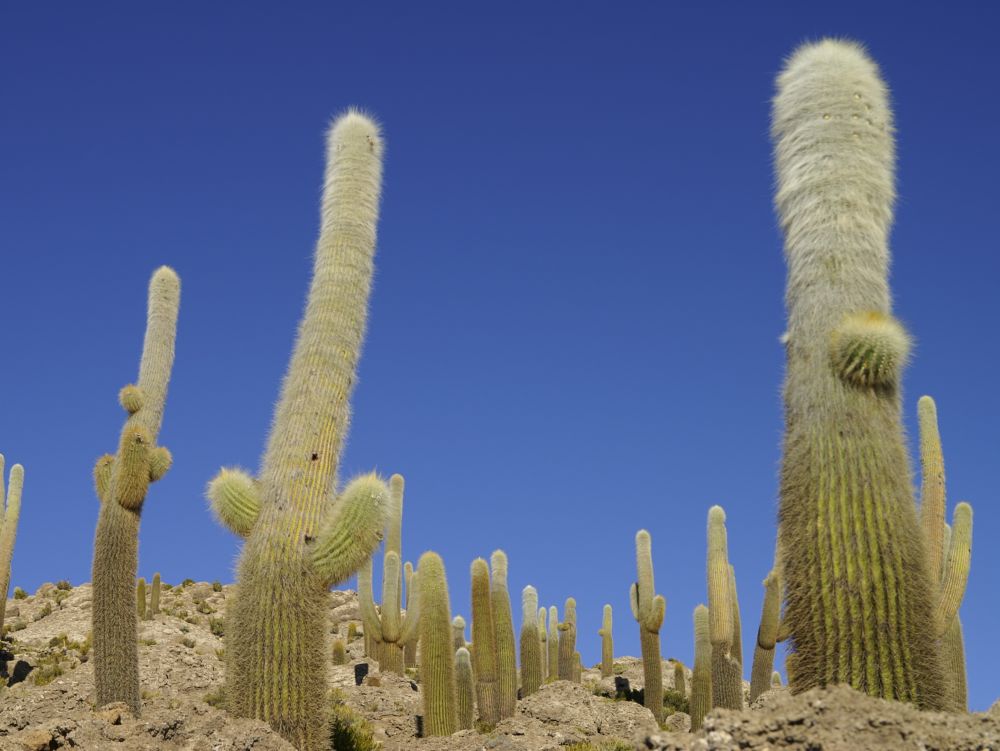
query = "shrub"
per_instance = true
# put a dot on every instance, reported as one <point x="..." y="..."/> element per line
<point x="63" y="585"/>
<point x="19" y="594"/>
<point x="348" y="730"/>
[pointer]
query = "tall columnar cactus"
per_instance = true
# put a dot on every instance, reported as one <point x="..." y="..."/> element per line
<point x="552" y="657"/>
<point x="543" y="643"/>
<point x="607" y="644"/>
<point x="484" y="653"/>
<point x="858" y="591"/>
<point x="775" y="679"/>
<point x="767" y="636"/>
<point x="737" y="648"/>
<point x="464" y="690"/>
<point x="140" y="599"/>
<point x="437" y="659"/>
<point x="727" y="682"/>
<point x="648" y="609"/>
<point x="121" y="482"/>
<point x="701" y="676"/>
<point x="531" y="654"/>
<point x="10" y="508"/>
<point x="503" y="626"/>
<point x="299" y="539"/>
<point x="567" y="640"/>
<point x="949" y="552"/>
<point x="154" y="597"/>
<point x="410" y="647"/>
<point x="577" y="673"/>
<point x="458" y="632"/>
<point x="680" y="679"/>
<point x="388" y="630"/>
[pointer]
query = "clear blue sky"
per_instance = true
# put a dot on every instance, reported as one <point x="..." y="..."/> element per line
<point x="574" y="328"/>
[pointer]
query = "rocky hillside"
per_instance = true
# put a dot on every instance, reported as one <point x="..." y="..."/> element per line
<point x="48" y="699"/>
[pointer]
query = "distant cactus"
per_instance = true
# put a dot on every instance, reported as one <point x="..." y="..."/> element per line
<point x="352" y="631"/>
<point x="484" y="654"/>
<point x="679" y="678"/>
<point x="301" y="541"/>
<point x="531" y="655"/>
<point x="567" y="640"/>
<point x="775" y="679"/>
<point x="339" y="652"/>
<point x="140" y="599"/>
<point x="858" y="596"/>
<point x="410" y="647"/>
<point x="553" y="645"/>
<point x="607" y="644"/>
<point x="10" y="508"/>
<point x="767" y="636"/>
<point x="465" y="693"/>
<point x="949" y="552"/>
<point x="576" y="674"/>
<point x="543" y="642"/>
<point x="503" y="627"/>
<point x="648" y="609"/>
<point x="727" y="681"/>
<point x="122" y="481"/>
<point x="701" y="677"/>
<point x="154" y="597"/>
<point x="458" y="632"/>
<point x="437" y="659"/>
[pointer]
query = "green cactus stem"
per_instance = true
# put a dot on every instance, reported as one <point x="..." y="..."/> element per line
<point x="410" y="647"/>
<point x="553" y="645"/>
<point x="543" y="642"/>
<point x="576" y="674"/>
<point x="437" y="659"/>
<point x="858" y="596"/>
<point x="140" y="599"/>
<point x="767" y="636"/>
<point x="727" y="682"/>
<point x="464" y="689"/>
<point x="503" y="626"/>
<point x="305" y="537"/>
<point x="485" y="663"/>
<point x="154" y="597"/>
<point x="339" y="652"/>
<point x="122" y="482"/>
<point x="607" y="644"/>
<point x="648" y="609"/>
<point x="567" y="640"/>
<point x="10" y="508"/>
<point x="531" y="654"/>
<point x="680" y="678"/>
<point x="458" y="632"/>
<point x="775" y="679"/>
<point x="701" y="676"/>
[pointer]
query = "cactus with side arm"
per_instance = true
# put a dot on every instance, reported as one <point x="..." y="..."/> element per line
<point x="567" y="640"/>
<point x="727" y="680"/>
<point x="648" y="609"/>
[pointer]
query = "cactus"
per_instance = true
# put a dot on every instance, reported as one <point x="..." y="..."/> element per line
<point x="339" y="652"/>
<point x="484" y="655"/>
<point x="140" y="599"/>
<point x="352" y="631"/>
<point x="767" y="636"/>
<point x="437" y="659"/>
<point x="775" y="679"/>
<point x="553" y="645"/>
<point x="531" y="654"/>
<point x="607" y="645"/>
<point x="154" y="597"/>
<point x="503" y="626"/>
<point x="648" y="609"/>
<point x="737" y="648"/>
<point x="543" y="642"/>
<point x="10" y="509"/>
<point x="390" y="630"/>
<point x="121" y="482"/>
<point x="680" y="679"/>
<point x="410" y="647"/>
<point x="701" y="677"/>
<point x="567" y="640"/>
<point x="465" y="693"/>
<point x="458" y="632"/>
<point x="302" y="540"/>
<point x="576" y="674"/>
<point x="727" y="683"/>
<point x="858" y="594"/>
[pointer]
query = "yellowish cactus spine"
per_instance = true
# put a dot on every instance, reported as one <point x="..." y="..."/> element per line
<point x="123" y="481"/>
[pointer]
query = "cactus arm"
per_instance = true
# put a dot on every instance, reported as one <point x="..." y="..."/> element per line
<point x="767" y="632"/>
<point x="410" y="630"/>
<point x="234" y="500"/>
<point x="933" y="496"/>
<point x="102" y="476"/>
<point x="956" y="568"/>
<point x="8" y="529"/>
<point x="366" y="602"/>
<point x="390" y="594"/>
<point x="352" y="531"/>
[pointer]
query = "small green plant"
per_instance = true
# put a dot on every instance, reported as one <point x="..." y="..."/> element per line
<point x="18" y="625"/>
<point x="217" y="626"/>
<point x="674" y="701"/>
<point x="348" y="730"/>
<point x="216" y="586"/>
<point x="147" y="642"/>
<point x="187" y="583"/>
<point x="216" y="698"/>
<point x="45" y="674"/>
<point x="204" y="607"/>
<point x="188" y="642"/>
<point x="63" y="585"/>
<point x="19" y="594"/>
<point x="46" y="610"/>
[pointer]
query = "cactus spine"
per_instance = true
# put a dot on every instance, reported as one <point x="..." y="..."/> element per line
<point x="858" y="597"/>
<point x="767" y="636"/>
<point x="701" y="677"/>
<point x="464" y="690"/>
<point x="648" y="609"/>
<point x="154" y="597"/>
<point x="567" y="640"/>
<point x="302" y="541"/>
<point x="553" y="644"/>
<point x="727" y="683"/>
<point x="949" y="551"/>
<point x="503" y="626"/>
<point x="607" y="645"/>
<point x="484" y="653"/>
<point x="437" y="659"/>
<point x="122" y="481"/>
<point x="390" y="630"/>
<point x="10" y="508"/>
<point x="531" y="654"/>
<point x="140" y="599"/>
